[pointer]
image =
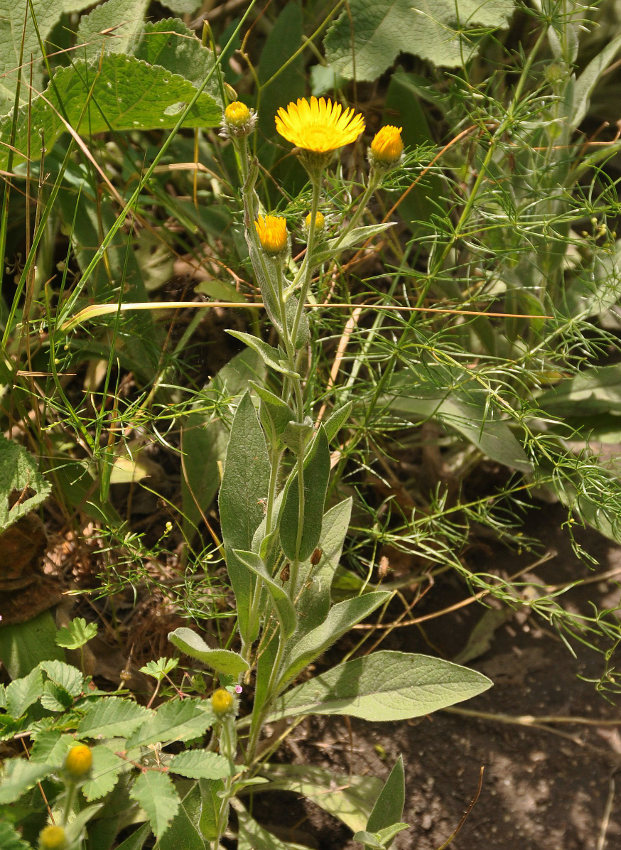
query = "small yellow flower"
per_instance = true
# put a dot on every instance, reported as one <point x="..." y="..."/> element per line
<point x="237" y="113"/>
<point x="239" y="120"/>
<point x="221" y="701"/>
<point x="272" y="230"/>
<point x="387" y="145"/>
<point x="79" y="761"/>
<point x="52" y="838"/>
<point x="318" y="125"/>
<point x="320" y="221"/>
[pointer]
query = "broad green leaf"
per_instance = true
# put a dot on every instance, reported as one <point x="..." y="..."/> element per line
<point x="367" y="38"/>
<point x="22" y="693"/>
<point x="588" y="79"/>
<point x="314" y="599"/>
<point x="104" y="774"/>
<point x="112" y="27"/>
<point x="336" y="420"/>
<point x="388" y="808"/>
<point x="55" y="697"/>
<point x="200" y="764"/>
<point x="591" y="392"/>
<point x="272" y="356"/>
<point x="351" y="801"/>
<point x="282" y="603"/>
<point x="13" y="15"/>
<point x="52" y="748"/>
<point x="252" y="836"/>
<point x="10" y="839"/>
<point x="384" y="686"/>
<point x="76" y="634"/>
<point x="65" y="675"/>
<point x="182" y="7"/>
<point x="316" y="475"/>
<point x="458" y="405"/>
<point x="18" y="776"/>
<point x="381" y="839"/>
<point x="203" y="446"/>
<point x="112" y="716"/>
<point x="211" y="802"/>
<point x="274" y="412"/>
<point x="177" y="720"/>
<point x="242" y="496"/>
<point x="341" y="618"/>
<point x="156" y="794"/>
<point x="184" y="832"/>
<point x="172" y="45"/>
<point x="222" y="660"/>
<point x="19" y="478"/>
<point x="24" y="645"/>
<point x="120" y="93"/>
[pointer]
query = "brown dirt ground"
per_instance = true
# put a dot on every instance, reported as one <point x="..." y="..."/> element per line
<point x="554" y="788"/>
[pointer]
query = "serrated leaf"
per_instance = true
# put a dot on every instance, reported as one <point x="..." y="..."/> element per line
<point x="316" y="475"/>
<point x="22" y="693"/>
<point x="364" y="41"/>
<point x="55" y="697"/>
<point x="12" y="18"/>
<point x="112" y="27"/>
<point x="19" y="474"/>
<point x="242" y="493"/>
<point x="65" y="675"/>
<point x="348" y="798"/>
<point x="177" y="720"/>
<point x="19" y="776"/>
<point x="184" y="832"/>
<point x="76" y="634"/>
<point x="104" y="773"/>
<point x="120" y="93"/>
<point x="10" y="839"/>
<point x="222" y="660"/>
<point x="174" y="46"/>
<point x="200" y="764"/>
<point x="156" y="794"/>
<point x="51" y="747"/>
<point x="384" y="686"/>
<point x="112" y="716"/>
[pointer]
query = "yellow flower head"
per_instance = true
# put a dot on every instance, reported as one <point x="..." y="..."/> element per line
<point x="221" y="701"/>
<point x="239" y="120"/>
<point x="79" y="761"/>
<point x="52" y="838"/>
<point x="387" y="145"/>
<point x="272" y="230"/>
<point x="319" y="126"/>
<point x="237" y="113"/>
<point x="320" y="221"/>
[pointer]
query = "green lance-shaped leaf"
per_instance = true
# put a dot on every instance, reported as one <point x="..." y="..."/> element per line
<point x="388" y="808"/>
<point x="156" y="794"/>
<point x="272" y="356"/>
<point x="282" y="603"/>
<point x="316" y="475"/>
<point x="184" y="833"/>
<point x="274" y="412"/>
<point x="200" y="764"/>
<point x="384" y="686"/>
<point x="115" y="92"/>
<point x="222" y="660"/>
<point x="341" y="618"/>
<point x="242" y="495"/>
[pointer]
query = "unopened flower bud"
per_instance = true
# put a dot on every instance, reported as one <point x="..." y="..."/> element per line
<point x="52" y="838"/>
<point x="222" y="701"/>
<point x="239" y="120"/>
<point x="79" y="761"/>
<point x="272" y="230"/>
<point x="320" y="221"/>
<point x="387" y="147"/>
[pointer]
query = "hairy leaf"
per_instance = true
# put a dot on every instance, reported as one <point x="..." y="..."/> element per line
<point x="156" y="794"/>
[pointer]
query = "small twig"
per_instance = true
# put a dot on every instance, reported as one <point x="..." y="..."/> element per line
<point x="601" y="841"/>
<point x="466" y="814"/>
